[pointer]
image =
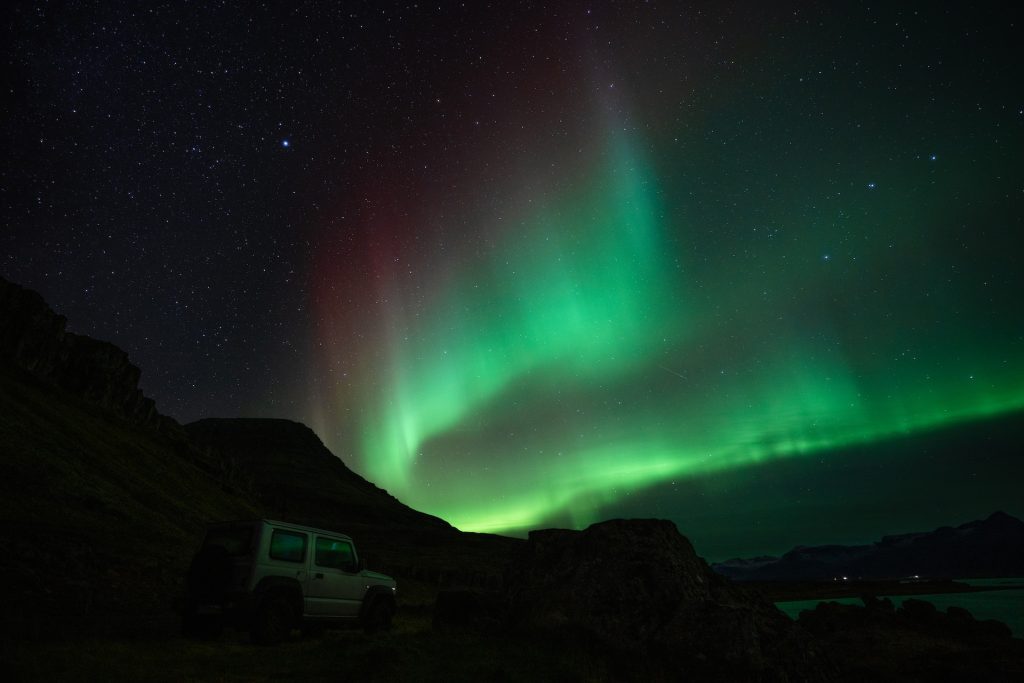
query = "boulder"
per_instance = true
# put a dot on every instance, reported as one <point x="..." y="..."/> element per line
<point x="638" y="590"/>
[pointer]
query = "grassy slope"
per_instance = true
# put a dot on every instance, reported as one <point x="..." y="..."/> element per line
<point x="298" y="479"/>
<point x="411" y="652"/>
<point x="99" y="519"/>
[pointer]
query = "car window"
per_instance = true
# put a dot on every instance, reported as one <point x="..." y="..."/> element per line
<point x="288" y="545"/>
<point x="333" y="553"/>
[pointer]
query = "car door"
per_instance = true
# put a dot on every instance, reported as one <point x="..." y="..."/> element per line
<point x="334" y="586"/>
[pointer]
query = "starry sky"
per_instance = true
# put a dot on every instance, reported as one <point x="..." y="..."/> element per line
<point x="742" y="265"/>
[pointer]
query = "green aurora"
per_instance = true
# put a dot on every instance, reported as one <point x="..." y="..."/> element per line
<point x="751" y="267"/>
<point x="572" y="368"/>
<point x="640" y="296"/>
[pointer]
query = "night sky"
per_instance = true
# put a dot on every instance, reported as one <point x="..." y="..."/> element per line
<point x="526" y="264"/>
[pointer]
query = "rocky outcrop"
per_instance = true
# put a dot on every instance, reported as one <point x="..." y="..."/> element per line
<point x="621" y="580"/>
<point x="33" y="339"/>
<point x="636" y="591"/>
<point x="915" y="642"/>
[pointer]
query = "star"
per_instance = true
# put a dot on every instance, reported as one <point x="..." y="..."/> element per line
<point x="286" y="143"/>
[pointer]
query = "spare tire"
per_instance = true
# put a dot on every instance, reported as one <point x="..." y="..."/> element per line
<point x="209" y="574"/>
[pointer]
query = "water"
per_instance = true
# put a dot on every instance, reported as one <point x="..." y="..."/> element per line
<point x="1006" y="606"/>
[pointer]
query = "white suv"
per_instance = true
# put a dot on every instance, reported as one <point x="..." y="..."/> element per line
<point x="270" y="577"/>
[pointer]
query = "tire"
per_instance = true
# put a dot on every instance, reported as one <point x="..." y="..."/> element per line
<point x="378" y="617"/>
<point x="273" y="621"/>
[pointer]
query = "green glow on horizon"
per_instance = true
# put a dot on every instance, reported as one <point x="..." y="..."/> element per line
<point x="611" y="473"/>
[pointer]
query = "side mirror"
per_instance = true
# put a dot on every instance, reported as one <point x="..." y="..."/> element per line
<point x="361" y="565"/>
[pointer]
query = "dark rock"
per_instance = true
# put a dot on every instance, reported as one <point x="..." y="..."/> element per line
<point x="623" y="579"/>
<point x="991" y="628"/>
<point x="33" y="339"/>
<point x="877" y="604"/>
<point x="471" y="611"/>
<point x="959" y="614"/>
<point x="915" y="642"/>
<point x="918" y="610"/>
<point x="638" y="588"/>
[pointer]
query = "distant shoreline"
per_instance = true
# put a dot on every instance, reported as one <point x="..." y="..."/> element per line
<point x="784" y="591"/>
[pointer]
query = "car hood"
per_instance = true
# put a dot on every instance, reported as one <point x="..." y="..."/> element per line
<point x="377" y="576"/>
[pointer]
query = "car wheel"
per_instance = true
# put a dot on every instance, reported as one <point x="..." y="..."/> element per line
<point x="273" y="621"/>
<point x="378" y="617"/>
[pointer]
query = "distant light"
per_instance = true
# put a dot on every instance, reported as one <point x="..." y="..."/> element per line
<point x="871" y="186"/>
<point x="285" y="143"/>
<point x="934" y="157"/>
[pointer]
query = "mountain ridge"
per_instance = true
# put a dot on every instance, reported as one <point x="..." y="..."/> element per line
<point x="992" y="547"/>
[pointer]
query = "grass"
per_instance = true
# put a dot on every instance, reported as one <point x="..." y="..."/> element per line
<point x="412" y="651"/>
<point x="97" y="517"/>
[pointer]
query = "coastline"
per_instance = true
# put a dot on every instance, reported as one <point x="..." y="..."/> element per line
<point x="785" y="591"/>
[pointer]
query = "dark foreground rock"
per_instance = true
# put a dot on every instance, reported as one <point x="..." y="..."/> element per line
<point x="636" y="592"/>
<point x="916" y="642"/>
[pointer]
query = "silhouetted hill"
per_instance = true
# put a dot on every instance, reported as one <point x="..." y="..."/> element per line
<point x="103" y="500"/>
<point x="992" y="547"/>
<point x="294" y="475"/>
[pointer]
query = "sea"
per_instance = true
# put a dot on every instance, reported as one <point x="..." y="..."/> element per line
<point x="1006" y="606"/>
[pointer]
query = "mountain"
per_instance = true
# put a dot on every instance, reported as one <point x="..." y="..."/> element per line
<point x="294" y="477"/>
<point x="103" y="500"/>
<point x="992" y="547"/>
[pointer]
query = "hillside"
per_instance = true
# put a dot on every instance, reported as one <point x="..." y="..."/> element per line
<point x="103" y="499"/>
<point x="98" y="515"/>
<point x="293" y="476"/>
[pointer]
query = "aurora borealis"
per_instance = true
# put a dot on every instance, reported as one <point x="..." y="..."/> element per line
<point x="557" y="374"/>
<point x="536" y="265"/>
